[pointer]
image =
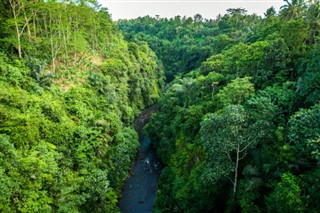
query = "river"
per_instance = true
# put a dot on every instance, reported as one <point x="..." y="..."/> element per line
<point x="140" y="190"/>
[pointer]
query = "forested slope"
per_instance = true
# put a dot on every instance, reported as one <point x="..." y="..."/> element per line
<point x="70" y="87"/>
<point x="238" y="128"/>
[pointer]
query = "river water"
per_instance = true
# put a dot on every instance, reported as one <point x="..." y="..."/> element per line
<point x="140" y="190"/>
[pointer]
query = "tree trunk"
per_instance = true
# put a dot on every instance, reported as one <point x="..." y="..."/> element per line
<point x="34" y="14"/>
<point x="236" y="173"/>
<point x="28" y="27"/>
<point x="19" y="41"/>
<point x="53" y="64"/>
<point x="14" y="6"/>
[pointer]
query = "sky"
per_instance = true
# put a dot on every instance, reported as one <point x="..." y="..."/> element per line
<point x="127" y="9"/>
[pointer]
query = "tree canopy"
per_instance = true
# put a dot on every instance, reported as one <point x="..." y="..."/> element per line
<point x="238" y="130"/>
<point x="70" y="87"/>
<point x="237" y="126"/>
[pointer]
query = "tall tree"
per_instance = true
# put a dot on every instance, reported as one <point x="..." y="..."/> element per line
<point x="227" y="136"/>
<point x="20" y="20"/>
<point x="313" y="20"/>
<point x="293" y="10"/>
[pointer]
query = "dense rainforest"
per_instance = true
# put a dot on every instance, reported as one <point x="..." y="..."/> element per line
<point x="70" y="87"/>
<point x="238" y="120"/>
<point x="238" y="125"/>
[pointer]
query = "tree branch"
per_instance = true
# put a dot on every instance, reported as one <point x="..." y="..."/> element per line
<point x="244" y="148"/>
<point x="229" y="157"/>
<point x="244" y="155"/>
<point x="230" y="180"/>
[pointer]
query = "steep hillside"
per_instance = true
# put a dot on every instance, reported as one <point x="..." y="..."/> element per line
<point x="70" y="87"/>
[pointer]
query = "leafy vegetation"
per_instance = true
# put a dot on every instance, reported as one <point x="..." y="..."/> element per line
<point x="237" y="128"/>
<point x="238" y="125"/>
<point x="70" y="87"/>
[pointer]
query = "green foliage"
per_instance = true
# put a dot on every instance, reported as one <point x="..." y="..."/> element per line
<point x="15" y="74"/>
<point x="286" y="196"/>
<point x="223" y="133"/>
<point x="309" y="76"/>
<point x="304" y="132"/>
<point x="183" y="43"/>
<point x="227" y="136"/>
<point x="236" y="91"/>
<point x="70" y="87"/>
<point x="232" y="116"/>
<point x="240" y="113"/>
<point x="123" y="152"/>
<point x="248" y="191"/>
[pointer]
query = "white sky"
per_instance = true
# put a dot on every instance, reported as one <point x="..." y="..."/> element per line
<point x="127" y="9"/>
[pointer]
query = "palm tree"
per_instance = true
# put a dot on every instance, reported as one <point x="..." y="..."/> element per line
<point x="238" y="15"/>
<point x="292" y="10"/>
<point x="313" y="20"/>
